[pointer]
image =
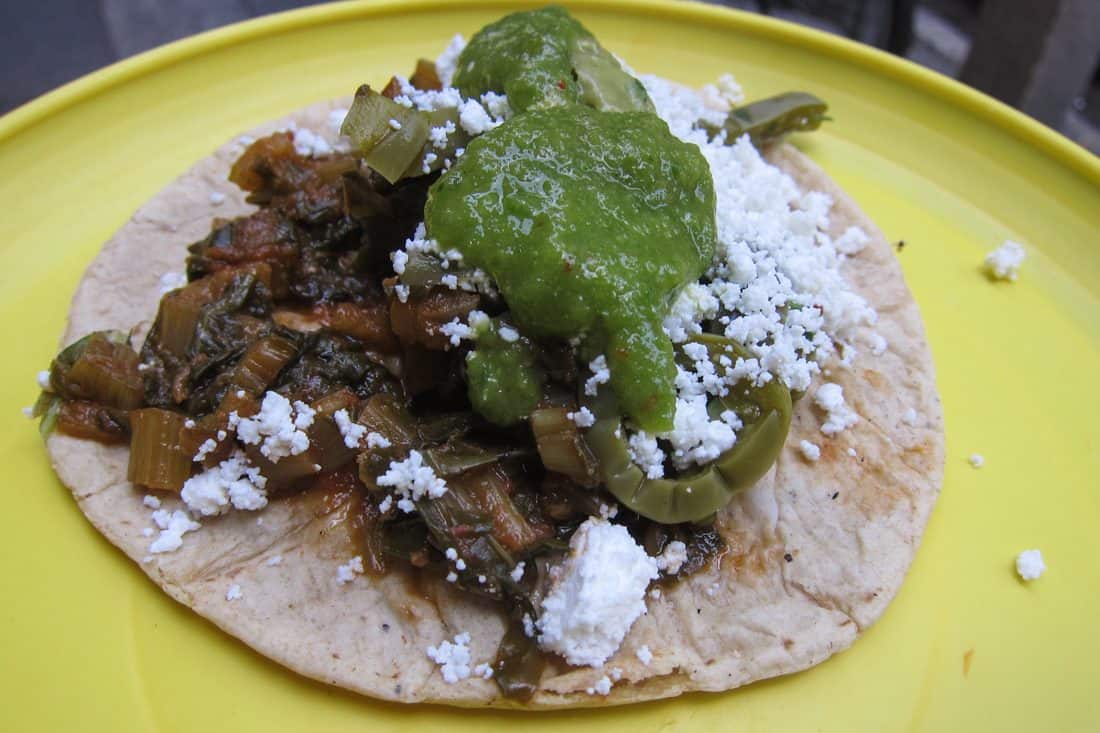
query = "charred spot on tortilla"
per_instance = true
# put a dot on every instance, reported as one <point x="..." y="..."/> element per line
<point x="461" y="381"/>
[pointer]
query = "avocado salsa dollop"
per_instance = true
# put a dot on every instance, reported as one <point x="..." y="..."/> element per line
<point x="590" y="219"/>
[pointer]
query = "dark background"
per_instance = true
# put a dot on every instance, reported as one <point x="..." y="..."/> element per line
<point x="1040" y="56"/>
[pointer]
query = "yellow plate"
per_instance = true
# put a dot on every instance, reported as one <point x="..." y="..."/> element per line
<point x="89" y="644"/>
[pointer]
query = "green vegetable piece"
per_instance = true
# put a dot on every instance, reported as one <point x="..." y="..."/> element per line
<point x="590" y="223"/>
<point x="388" y="148"/>
<point x="604" y="84"/>
<point x="504" y="381"/>
<point x="519" y="664"/>
<point x="545" y="58"/>
<point x="767" y="120"/>
<point x="766" y="414"/>
<point x="101" y="367"/>
<point x="46" y="407"/>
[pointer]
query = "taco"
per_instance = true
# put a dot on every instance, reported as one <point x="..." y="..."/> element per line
<point x="364" y="441"/>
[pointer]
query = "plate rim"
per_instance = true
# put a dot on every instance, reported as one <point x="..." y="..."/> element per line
<point x="1021" y="127"/>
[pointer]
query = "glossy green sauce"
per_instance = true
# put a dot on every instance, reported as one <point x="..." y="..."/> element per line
<point x="590" y="222"/>
<point x="503" y="379"/>
<point x="545" y="58"/>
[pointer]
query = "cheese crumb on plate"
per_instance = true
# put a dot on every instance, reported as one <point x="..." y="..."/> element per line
<point x="1004" y="262"/>
<point x="1030" y="565"/>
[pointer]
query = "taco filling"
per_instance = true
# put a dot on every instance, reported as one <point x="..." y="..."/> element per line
<point x="539" y="318"/>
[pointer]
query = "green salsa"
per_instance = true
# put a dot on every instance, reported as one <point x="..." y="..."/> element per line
<point x="503" y="379"/>
<point x="545" y="58"/>
<point x="590" y="222"/>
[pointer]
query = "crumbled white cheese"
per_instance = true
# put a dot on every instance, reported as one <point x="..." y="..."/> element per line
<point x="234" y="593"/>
<point x="583" y="418"/>
<point x="346" y="573"/>
<point x="336" y="119"/>
<point x="172" y="529"/>
<point x="233" y="481"/>
<point x="910" y="417"/>
<point x="402" y="292"/>
<point x="273" y="561"/>
<point x="386" y="504"/>
<point x="484" y="671"/>
<point x="43" y="379"/>
<point x="217" y="198"/>
<point x="776" y="272"/>
<point x="474" y="119"/>
<point x="353" y="432"/>
<point x="852" y="452"/>
<point x="476" y="321"/>
<point x="28" y="412"/>
<point x="694" y="304"/>
<point x="602" y="687"/>
<point x="456" y="331"/>
<point x="852" y="241"/>
<point x="170" y="281"/>
<point x="646" y="454"/>
<point x="309" y="143"/>
<point x="496" y="105"/>
<point x="148" y="532"/>
<point x="437" y="136"/>
<point x="451" y="554"/>
<point x="695" y="438"/>
<point x="609" y="511"/>
<point x="274" y="428"/>
<point x="597" y="595"/>
<point x="509" y="334"/>
<point x="1004" y="262"/>
<point x="445" y="64"/>
<point x="600" y="375"/>
<point x="377" y="440"/>
<point x="429" y="158"/>
<point x="208" y="446"/>
<point x="517" y="571"/>
<point x="453" y="658"/>
<point x="839" y="416"/>
<point x="151" y="501"/>
<point x="394" y="124"/>
<point x="412" y="480"/>
<point x="724" y="93"/>
<point x="460" y="564"/>
<point x="1030" y="565"/>
<point x="303" y="416"/>
<point x="977" y="460"/>
<point x="452" y="577"/>
<point x="400" y="260"/>
<point x="672" y="558"/>
<point x="645" y="656"/>
<point x="809" y="451"/>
